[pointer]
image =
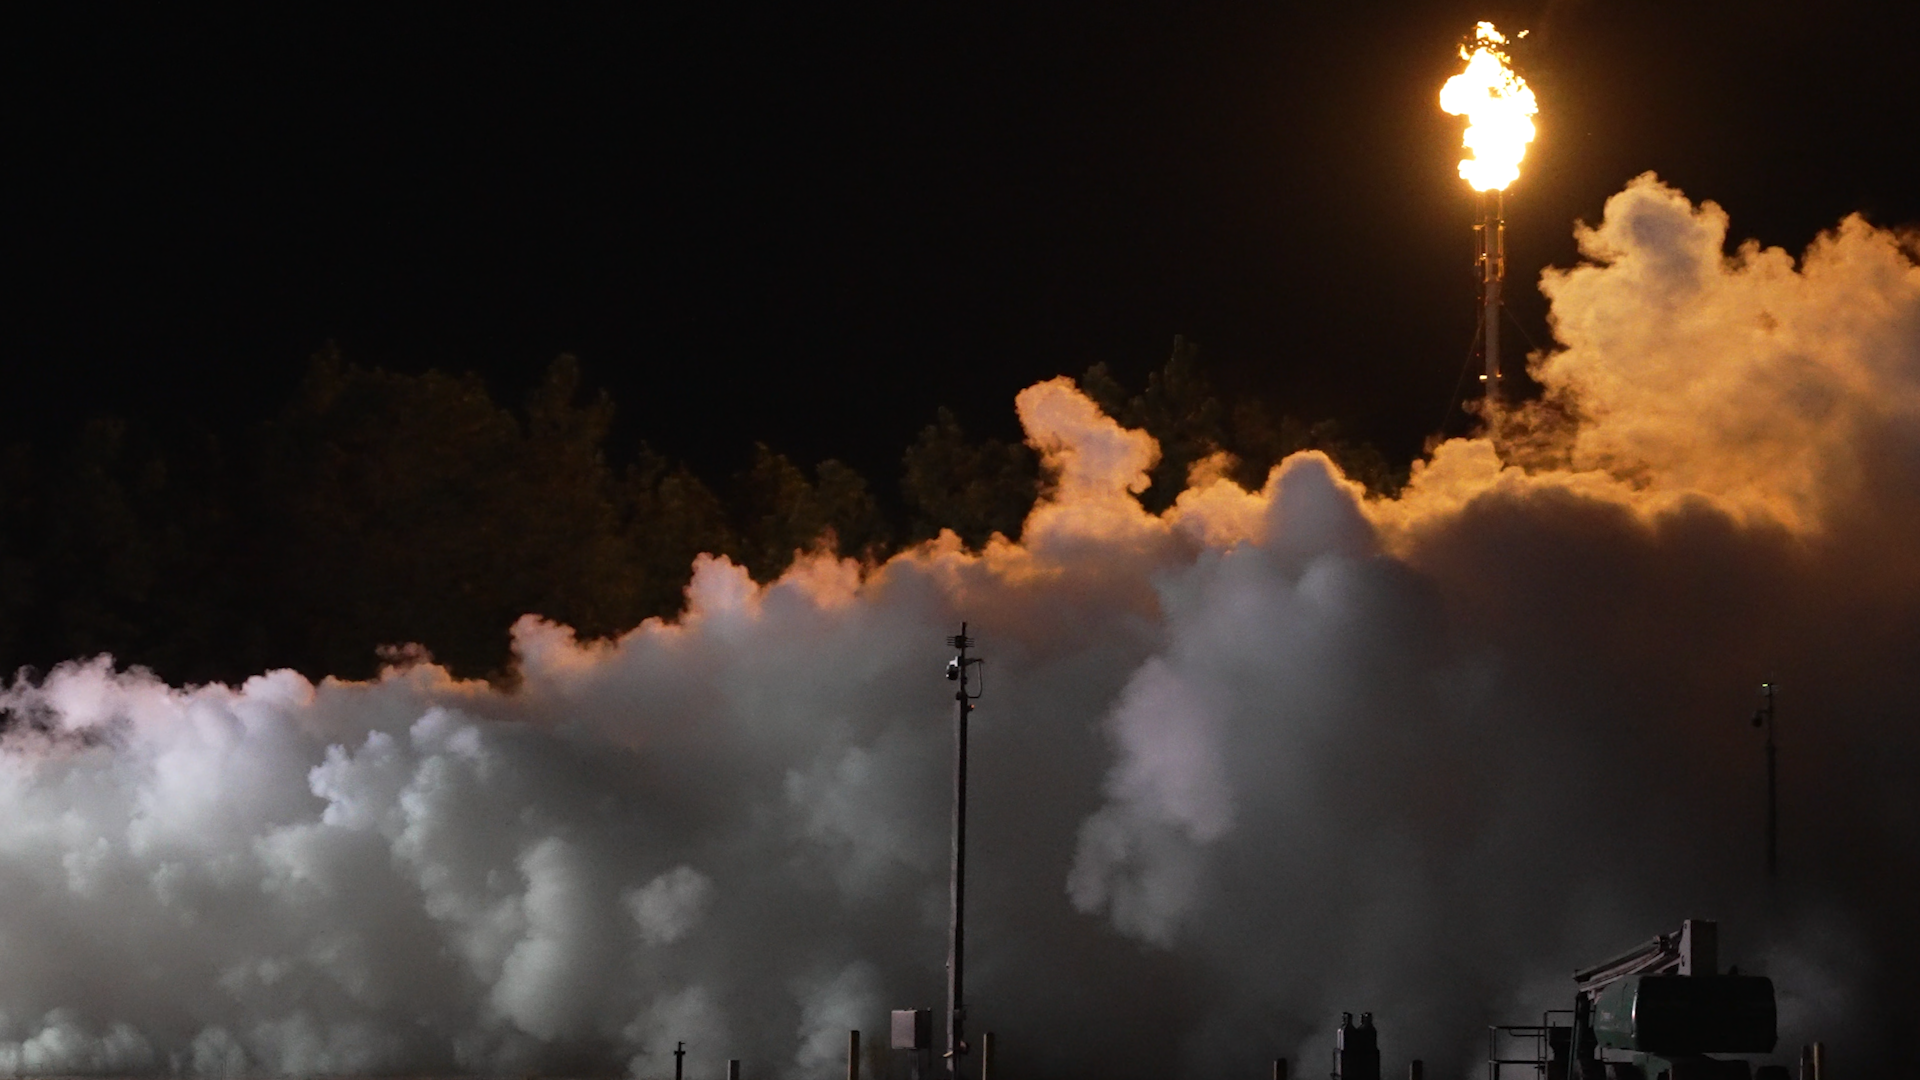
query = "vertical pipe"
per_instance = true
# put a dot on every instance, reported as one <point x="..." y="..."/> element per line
<point x="986" y="1056"/>
<point x="1773" y="809"/>
<point x="853" y="1054"/>
<point x="1819" y="1061"/>
<point x="956" y="927"/>
<point x="1773" y="793"/>
<point x="733" y="1069"/>
<point x="1765" y="716"/>
<point x="1493" y="272"/>
<point x="679" y="1059"/>
<point x="1417" y="1070"/>
<point x="1279" y="1069"/>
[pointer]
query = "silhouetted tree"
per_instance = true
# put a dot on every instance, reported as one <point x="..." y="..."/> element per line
<point x="1183" y="412"/>
<point x="974" y="488"/>
<point x="780" y="512"/>
<point x="1179" y="409"/>
<point x="381" y="508"/>
<point x="1259" y="442"/>
<point x="411" y="508"/>
<point x="668" y="517"/>
<point x="105" y="549"/>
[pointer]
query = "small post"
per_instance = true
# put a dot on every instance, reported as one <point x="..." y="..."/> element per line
<point x="853" y="1054"/>
<point x="1416" y="1070"/>
<point x="679" y="1059"/>
<point x="733" y="1069"/>
<point x="1279" y="1069"/>
<point x="1764" y="718"/>
<point x="1819" y="1060"/>
<point x="986" y="1056"/>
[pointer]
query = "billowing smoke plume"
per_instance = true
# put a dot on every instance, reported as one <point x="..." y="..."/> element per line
<point x="1239" y="767"/>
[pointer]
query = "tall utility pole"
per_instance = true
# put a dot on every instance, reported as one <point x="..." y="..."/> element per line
<point x="1763" y="717"/>
<point x="1492" y="258"/>
<point x="956" y="925"/>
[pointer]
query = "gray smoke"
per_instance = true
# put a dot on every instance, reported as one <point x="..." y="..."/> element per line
<point x="1239" y="767"/>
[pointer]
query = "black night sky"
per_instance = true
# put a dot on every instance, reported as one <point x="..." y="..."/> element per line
<point x="811" y="227"/>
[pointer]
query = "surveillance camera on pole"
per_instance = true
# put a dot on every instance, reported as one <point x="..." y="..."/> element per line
<point x="957" y="669"/>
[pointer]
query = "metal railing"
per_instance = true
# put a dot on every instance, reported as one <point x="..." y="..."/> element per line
<point x="1507" y="1042"/>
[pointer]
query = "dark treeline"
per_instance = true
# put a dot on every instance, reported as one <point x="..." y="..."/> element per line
<point x="381" y="509"/>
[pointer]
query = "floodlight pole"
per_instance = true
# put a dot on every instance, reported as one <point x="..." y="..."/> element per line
<point x="956" y="925"/>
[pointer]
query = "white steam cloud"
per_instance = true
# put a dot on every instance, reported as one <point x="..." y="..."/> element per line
<point x="1240" y="766"/>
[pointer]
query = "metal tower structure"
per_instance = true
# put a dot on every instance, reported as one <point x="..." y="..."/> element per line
<point x="1491" y="258"/>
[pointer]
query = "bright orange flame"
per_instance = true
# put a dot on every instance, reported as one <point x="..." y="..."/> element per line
<point x="1499" y="110"/>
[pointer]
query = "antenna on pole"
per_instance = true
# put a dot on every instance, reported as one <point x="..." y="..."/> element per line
<point x="956" y="926"/>
<point x="1763" y="717"/>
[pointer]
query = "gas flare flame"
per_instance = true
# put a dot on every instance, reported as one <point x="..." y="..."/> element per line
<point x="1499" y="109"/>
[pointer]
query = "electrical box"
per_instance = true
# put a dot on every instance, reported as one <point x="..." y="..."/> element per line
<point x="913" y="1029"/>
